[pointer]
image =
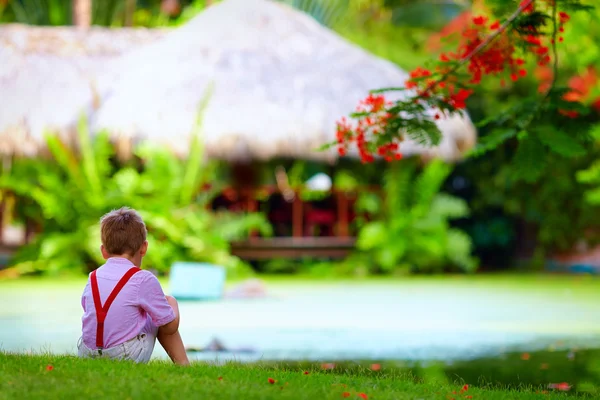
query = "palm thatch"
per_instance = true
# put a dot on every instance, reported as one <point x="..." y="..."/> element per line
<point x="281" y="81"/>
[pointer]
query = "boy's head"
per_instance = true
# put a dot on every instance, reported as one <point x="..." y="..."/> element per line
<point x="123" y="234"/>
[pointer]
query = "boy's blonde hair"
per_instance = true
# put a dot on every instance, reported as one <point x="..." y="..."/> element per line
<point x="122" y="231"/>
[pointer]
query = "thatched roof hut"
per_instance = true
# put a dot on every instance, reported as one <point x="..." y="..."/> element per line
<point x="281" y="81"/>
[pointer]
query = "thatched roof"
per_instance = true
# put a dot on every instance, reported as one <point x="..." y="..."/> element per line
<point x="48" y="76"/>
<point x="281" y="81"/>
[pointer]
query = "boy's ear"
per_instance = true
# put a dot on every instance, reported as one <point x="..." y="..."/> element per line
<point x="105" y="254"/>
<point x="144" y="248"/>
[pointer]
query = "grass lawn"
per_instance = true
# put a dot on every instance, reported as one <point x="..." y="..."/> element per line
<point x="63" y="377"/>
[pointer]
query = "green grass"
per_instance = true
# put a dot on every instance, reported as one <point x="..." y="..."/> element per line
<point x="29" y="377"/>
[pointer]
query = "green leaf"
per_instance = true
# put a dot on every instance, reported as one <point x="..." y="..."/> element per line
<point x="191" y="178"/>
<point x="530" y="160"/>
<point x="447" y="206"/>
<point x="590" y="175"/>
<point x="459" y="250"/>
<point x="88" y="159"/>
<point x="371" y="236"/>
<point x="428" y="184"/>
<point x="559" y="142"/>
<point x="492" y="141"/>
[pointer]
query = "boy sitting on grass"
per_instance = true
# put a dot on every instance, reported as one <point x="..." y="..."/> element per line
<point x="125" y="309"/>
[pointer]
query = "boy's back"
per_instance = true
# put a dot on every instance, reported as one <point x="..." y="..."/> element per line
<point x="124" y="307"/>
<point x="140" y="299"/>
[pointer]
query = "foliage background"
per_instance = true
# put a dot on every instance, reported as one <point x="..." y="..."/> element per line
<point x="510" y="217"/>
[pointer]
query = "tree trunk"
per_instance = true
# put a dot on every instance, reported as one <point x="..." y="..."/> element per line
<point x="82" y="13"/>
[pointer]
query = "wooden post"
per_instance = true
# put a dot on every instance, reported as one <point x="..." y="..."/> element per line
<point x="29" y="230"/>
<point x="342" y="206"/>
<point x="297" y="216"/>
<point x="251" y="206"/>
<point x="82" y="13"/>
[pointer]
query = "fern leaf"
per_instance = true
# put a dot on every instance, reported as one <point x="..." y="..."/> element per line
<point x="491" y="141"/>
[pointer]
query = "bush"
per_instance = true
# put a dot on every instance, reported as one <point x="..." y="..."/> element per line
<point x="411" y="229"/>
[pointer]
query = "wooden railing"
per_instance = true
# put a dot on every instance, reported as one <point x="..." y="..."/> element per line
<point x="249" y="199"/>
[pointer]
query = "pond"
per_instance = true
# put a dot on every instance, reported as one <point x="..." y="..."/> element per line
<point x="449" y="320"/>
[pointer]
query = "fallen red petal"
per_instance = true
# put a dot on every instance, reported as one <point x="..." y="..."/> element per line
<point x="271" y="381"/>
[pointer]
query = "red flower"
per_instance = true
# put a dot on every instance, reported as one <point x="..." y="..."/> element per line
<point x="271" y="381"/>
<point x="569" y="113"/>
<point x="525" y="356"/>
<point x="522" y="72"/>
<point x="375" y="367"/>
<point x="306" y="373"/>
<point x="529" y="8"/>
<point x="458" y="99"/>
<point x="468" y="397"/>
<point x="533" y="40"/>
<point x="376" y="102"/>
<point x="49" y="368"/>
<point x="220" y="378"/>
<point x="564" y="17"/>
<point x="563" y="386"/>
<point x="495" y="25"/>
<point x="479" y="20"/>
<point x="465" y="388"/>
<point x="363" y="396"/>
<point x="346" y="394"/>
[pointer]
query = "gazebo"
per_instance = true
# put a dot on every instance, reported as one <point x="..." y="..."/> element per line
<point x="280" y="80"/>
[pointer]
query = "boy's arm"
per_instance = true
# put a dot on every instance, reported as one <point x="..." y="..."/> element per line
<point x="83" y="296"/>
<point x="153" y="300"/>
<point x="172" y="326"/>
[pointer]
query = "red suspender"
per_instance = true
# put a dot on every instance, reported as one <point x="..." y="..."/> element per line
<point x="102" y="310"/>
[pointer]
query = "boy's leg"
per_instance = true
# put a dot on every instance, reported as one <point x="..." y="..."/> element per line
<point x="172" y="343"/>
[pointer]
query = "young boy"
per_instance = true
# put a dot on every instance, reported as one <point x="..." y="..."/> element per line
<point x="124" y="308"/>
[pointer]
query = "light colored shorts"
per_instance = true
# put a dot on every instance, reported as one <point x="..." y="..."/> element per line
<point x="139" y="349"/>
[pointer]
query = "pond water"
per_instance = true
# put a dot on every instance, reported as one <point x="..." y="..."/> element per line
<point x="446" y="320"/>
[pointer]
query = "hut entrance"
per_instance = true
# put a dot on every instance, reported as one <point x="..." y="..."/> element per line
<point x="309" y="216"/>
